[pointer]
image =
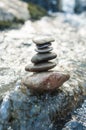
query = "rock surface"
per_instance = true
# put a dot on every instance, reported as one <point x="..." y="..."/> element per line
<point x="46" y="81"/>
<point x="40" y="67"/>
<point x="11" y="9"/>
<point x="78" y="121"/>
<point x="22" y="110"/>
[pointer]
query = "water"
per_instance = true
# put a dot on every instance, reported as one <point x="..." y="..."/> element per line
<point x="67" y="6"/>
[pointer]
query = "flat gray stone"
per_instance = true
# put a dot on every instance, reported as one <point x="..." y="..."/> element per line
<point x="43" y="57"/>
<point x="45" y="50"/>
<point x="43" y="39"/>
<point x="40" y="67"/>
<point x="43" y="45"/>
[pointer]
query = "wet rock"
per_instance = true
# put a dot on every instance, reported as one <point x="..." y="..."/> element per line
<point x="38" y="58"/>
<point x="39" y="40"/>
<point x="46" y="81"/>
<point x="40" y="67"/>
<point x="45" y="50"/>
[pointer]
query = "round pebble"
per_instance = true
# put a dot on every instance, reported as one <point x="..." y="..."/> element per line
<point x="43" y="57"/>
<point x="45" y="50"/>
<point x="40" y="67"/>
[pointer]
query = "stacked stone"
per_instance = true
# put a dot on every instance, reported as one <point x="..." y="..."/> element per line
<point x="46" y="81"/>
<point x="41" y="60"/>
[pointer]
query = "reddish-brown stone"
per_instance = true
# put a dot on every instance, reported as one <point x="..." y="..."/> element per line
<point x="45" y="81"/>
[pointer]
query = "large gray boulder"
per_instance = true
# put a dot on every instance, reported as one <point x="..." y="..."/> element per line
<point x="24" y="110"/>
<point x="11" y="9"/>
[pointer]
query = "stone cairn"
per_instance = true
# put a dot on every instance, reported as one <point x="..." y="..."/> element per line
<point x="44" y="80"/>
<point x="41" y="60"/>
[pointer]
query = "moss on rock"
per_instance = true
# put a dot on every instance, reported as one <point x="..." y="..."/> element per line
<point x="36" y="11"/>
<point x="5" y="24"/>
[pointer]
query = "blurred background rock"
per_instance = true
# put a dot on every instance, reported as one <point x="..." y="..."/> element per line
<point x="12" y="12"/>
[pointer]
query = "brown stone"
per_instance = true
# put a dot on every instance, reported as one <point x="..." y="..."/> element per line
<point x="45" y="81"/>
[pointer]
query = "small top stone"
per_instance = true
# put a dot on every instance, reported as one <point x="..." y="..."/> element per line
<point x="43" y="39"/>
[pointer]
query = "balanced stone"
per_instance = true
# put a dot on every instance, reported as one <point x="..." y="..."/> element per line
<point x="41" y="60"/>
<point x="45" y="81"/>
<point x="40" y="67"/>
<point x="43" y="39"/>
<point x="43" y="45"/>
<point x="43" y="57"/>
<point x="45" y="50"/>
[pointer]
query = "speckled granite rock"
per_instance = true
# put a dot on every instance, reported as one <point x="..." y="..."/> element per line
<point x="74" y="125"/>
<point x="22" y="110"/>
<point x="79" y="119"/>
